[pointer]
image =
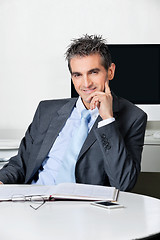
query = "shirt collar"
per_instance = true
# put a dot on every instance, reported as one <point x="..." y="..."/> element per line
<point x="80" y="107"/>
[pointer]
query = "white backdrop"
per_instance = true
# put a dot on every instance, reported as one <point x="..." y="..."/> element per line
<point x="34" y="35"/>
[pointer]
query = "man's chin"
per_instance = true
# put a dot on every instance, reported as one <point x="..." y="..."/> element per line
<point x="87" y="101"/>
<point x="84" y="99"/>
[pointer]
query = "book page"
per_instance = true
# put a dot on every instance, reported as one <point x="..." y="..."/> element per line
<point x="84" y="191"/>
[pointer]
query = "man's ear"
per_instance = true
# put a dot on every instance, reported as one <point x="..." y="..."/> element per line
<point x="111" y="71"/>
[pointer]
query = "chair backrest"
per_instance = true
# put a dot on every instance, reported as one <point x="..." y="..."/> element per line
<point x="148" y="183"/>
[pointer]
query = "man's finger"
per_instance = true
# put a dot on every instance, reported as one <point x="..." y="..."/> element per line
<point x="107" y="88"/>
<point x="92" y="95"/>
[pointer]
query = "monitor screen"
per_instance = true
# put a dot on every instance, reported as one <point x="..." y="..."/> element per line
<point x="137" y="74"/>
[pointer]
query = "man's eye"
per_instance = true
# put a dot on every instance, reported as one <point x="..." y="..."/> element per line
<point x="75" y="75"/>
<point x="94" y="72"/>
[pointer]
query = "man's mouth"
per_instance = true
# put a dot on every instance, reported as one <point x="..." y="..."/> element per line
<point x="89" y="90"/>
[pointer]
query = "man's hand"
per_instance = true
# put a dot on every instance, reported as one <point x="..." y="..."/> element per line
<point x="102" y="100"/>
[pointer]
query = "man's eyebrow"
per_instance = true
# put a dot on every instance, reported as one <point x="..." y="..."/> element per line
<point x="89" y="71"/>
<point x="94" y="69"/>
<point x="73" y="73"/>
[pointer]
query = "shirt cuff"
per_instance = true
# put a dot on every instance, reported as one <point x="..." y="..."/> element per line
<point x="105" y="122"/>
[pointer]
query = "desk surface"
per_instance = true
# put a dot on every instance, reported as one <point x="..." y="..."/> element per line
<point x="76" y="220"/>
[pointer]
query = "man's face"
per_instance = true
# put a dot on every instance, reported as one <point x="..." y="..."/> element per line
<point x="88" y="75"/>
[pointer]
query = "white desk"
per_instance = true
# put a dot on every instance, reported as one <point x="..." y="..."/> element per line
<point x="67" y="220"/>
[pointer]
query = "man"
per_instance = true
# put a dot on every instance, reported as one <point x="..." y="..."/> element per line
<point x="111" y="153"/>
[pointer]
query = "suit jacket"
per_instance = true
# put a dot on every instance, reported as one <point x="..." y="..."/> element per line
<point x="111" y="155"/>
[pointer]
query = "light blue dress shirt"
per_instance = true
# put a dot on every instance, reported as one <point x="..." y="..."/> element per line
<point x="55" y="157"/>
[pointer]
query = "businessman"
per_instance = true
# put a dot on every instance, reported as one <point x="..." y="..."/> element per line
<point x="111" y="146"/>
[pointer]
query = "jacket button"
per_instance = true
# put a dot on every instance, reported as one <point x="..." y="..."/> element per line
<point x="109" y="147"/>
<point x="103" y="136"/>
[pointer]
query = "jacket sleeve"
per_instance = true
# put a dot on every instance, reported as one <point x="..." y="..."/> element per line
<point x="14" y="171"/>
<point x="122" y="153"/>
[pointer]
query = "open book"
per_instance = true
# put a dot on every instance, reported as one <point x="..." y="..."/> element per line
<point x="66" y="191"/>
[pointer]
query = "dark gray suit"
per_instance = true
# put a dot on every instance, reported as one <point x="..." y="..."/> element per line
<point x="111" y="155"/>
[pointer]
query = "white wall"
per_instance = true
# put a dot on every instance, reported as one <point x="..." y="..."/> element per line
<point x="34" y="35"/>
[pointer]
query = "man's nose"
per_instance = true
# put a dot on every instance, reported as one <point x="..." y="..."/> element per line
<point x="87" y="81"/>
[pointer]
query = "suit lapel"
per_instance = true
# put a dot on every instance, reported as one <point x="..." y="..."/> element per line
<point x="57" y="123"/>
